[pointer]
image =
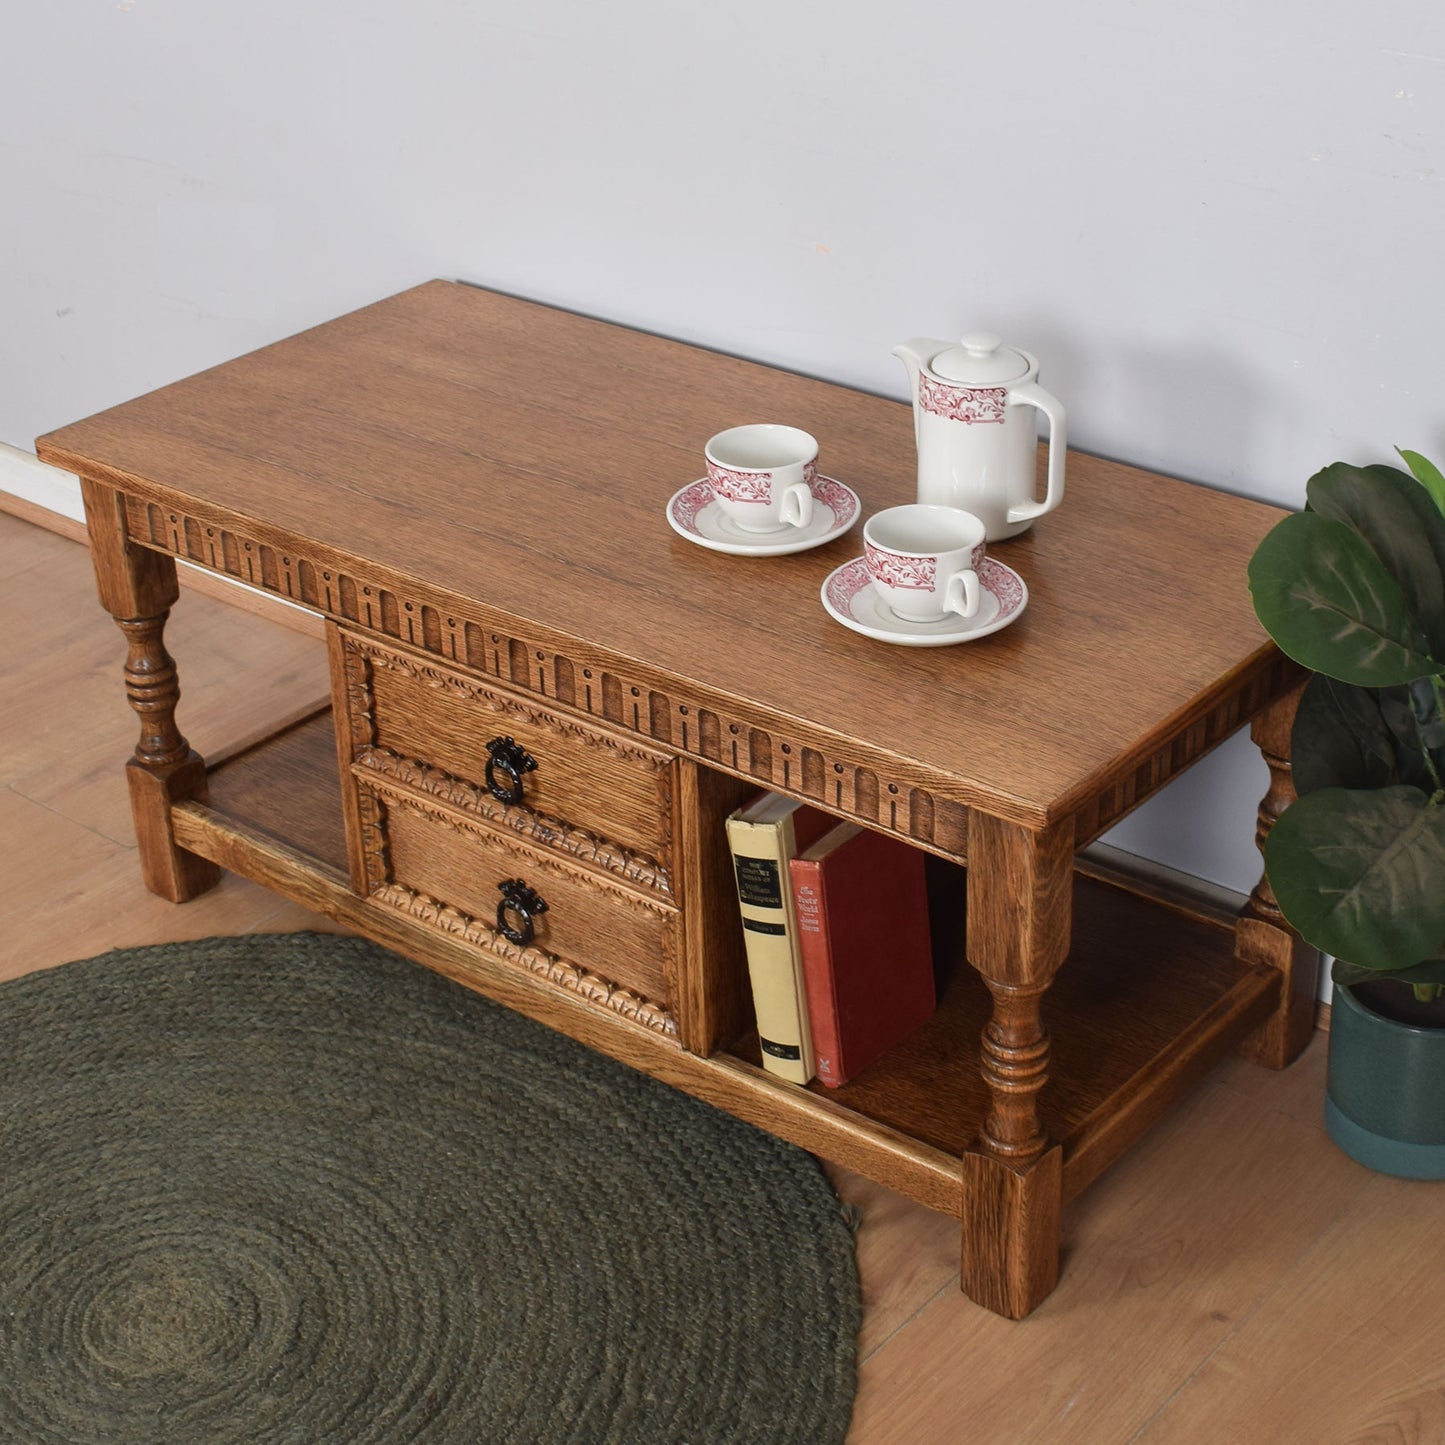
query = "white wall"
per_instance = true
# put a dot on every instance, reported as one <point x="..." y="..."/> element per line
<point x="1219" y="224"/>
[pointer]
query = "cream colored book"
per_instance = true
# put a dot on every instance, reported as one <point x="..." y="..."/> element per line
<point x="764" y="835"/>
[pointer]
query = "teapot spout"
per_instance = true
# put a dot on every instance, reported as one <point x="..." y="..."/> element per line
<point x="915" y="355"/>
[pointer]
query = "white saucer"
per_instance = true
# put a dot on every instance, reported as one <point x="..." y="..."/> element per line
<point x="850" y="599"/>
<point x="695" y="514"/>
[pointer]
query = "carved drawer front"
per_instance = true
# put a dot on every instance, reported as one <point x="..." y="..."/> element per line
<point x="602" y="799"/>
<point x="523" y="901"/>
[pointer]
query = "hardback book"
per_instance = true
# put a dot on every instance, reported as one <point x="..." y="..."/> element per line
<point x="861" y="901"/>
<point x="764" y="836"/>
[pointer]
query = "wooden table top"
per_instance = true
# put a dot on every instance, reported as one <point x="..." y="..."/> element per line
<point x="522" y="457"/>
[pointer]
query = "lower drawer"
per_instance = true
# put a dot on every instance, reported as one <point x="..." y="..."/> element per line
<point x="600" y="927"/>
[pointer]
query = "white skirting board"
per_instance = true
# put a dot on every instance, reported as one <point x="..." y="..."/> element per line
<point x="24" y="475"/>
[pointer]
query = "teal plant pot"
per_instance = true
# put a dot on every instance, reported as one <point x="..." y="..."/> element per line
<point x="1385" y="1091"/>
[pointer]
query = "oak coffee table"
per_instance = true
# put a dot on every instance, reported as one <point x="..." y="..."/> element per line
<point x="545" y="702"/>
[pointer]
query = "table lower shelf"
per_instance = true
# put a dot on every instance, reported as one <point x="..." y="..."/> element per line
<point x="1149" y="998"/>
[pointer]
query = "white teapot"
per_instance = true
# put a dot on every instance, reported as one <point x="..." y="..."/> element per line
<point x="973" y="420"/>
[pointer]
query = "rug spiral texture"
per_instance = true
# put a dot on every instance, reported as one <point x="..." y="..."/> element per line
<point x="297" y="1189"/>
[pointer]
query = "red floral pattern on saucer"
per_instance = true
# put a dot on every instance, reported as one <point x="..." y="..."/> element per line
<point x="849" y="596"/>
<point x="694" y="513"/>
<point x="690" y="501"/>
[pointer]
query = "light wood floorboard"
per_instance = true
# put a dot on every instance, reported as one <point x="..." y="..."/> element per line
<point x="69" y="880"/>
<point x="1235" y="1280"/>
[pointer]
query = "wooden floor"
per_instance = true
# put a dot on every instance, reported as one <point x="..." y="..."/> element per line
<point x="1236" y="1280"/>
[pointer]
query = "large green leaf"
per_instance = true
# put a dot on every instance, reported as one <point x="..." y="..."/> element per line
<point x="1428" y="475"/>
<point x="1355" y="737"/>
<point x="1396" y="517"/>
<point x="1329" y="603"/>
<point x="1362" y="874"/>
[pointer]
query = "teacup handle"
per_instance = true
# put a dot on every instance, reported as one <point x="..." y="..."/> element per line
<point x="962" y="595"/>
<point x="1030" y="393"/>
<point x="797" y="508"/>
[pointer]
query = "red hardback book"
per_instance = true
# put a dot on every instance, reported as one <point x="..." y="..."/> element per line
<point x="862" y="910"/>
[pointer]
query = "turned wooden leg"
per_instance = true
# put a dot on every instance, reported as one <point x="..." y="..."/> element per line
<point x="1020" y="907"/>
<point x="137" y="587"/>
<point x="1262" y="936"/>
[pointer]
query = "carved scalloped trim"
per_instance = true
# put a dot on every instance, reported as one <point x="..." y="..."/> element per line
<point x="590" y="986"/>
<point x="375" y="860"/>
<point x="361" y="719"/>
<point x="532" y="827"/>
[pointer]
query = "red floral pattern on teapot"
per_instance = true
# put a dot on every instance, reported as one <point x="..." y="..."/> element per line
<point x="971" y="404"/>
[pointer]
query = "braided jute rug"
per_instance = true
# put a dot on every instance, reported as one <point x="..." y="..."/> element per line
<point x="297" y="1189"/>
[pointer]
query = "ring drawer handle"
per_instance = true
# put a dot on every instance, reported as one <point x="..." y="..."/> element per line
<point x="510" y="760"/>
<point x="526" y="903"/>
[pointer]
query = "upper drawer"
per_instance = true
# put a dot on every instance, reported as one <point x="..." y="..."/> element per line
<point x="589" y="787"/>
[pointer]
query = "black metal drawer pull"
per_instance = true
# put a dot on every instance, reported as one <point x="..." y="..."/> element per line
<point x="522" y="902"/>
<point x="506" y="762"/>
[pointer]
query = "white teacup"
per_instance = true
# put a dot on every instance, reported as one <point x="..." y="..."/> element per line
<point x="761" y="475"/>
<point x="922" y="560"/>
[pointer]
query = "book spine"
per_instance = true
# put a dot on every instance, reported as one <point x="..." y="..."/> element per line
<point x="760" y="860"/>
<point x="815" y="957"/>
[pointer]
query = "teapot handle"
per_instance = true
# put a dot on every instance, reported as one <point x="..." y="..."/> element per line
<point x="1030" y="393"/>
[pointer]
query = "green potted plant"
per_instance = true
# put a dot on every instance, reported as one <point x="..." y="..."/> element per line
<point x="1353" y="588"/>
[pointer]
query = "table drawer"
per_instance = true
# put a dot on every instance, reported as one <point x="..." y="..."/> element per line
<point x="427" y="850"/>
<point x="513" y="755"/>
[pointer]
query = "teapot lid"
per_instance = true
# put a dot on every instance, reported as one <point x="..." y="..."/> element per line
<point x="980" y="359"/>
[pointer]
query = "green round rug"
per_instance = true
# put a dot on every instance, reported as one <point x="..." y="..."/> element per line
<point x="295" y="1188"/>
